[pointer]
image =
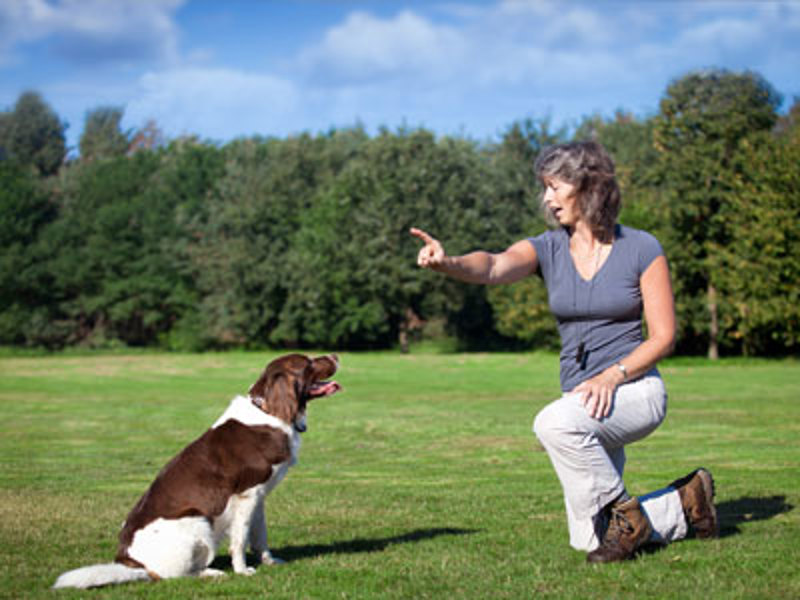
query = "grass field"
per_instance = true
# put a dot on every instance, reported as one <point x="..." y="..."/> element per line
<point x="420" y="480"/>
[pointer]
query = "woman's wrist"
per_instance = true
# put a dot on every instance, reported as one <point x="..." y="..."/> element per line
<point x="619" y="373"/>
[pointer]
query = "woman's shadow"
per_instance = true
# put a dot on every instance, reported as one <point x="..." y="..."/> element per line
<point x="733" y="513"/>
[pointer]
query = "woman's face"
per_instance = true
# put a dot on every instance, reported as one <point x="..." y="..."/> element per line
<point x="560" y="199"/>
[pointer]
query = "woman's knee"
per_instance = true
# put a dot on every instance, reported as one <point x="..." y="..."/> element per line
<point x="548" y="423"/>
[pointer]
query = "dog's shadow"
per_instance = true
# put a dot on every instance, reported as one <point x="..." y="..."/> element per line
<point x="733" y="513"/>
<point x="292" y="553"/>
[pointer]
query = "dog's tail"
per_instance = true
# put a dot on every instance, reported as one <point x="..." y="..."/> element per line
<point x="99" y="575"/>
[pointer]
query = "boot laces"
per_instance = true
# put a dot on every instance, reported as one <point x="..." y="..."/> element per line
<point x="618" y="526"/>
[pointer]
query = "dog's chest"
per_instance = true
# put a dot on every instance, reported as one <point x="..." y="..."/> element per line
<point x="241" y="506"/>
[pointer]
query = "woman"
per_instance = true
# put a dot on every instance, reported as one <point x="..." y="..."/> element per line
<point x="600" y="277"/>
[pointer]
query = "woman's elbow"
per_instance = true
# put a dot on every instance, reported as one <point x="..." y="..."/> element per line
<point x="666" y="341"/>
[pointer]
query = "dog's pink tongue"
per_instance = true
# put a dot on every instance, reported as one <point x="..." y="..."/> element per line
<point x="324" y="388"/>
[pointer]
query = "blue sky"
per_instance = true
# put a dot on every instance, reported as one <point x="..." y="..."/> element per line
<point x="221" y="69"/>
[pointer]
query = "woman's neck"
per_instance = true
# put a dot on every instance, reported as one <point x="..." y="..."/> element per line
<point x="582" y="238"/>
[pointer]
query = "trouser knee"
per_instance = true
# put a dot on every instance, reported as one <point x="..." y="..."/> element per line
<point x="547" y="425"/>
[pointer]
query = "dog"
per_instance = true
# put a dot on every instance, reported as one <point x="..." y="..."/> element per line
<point x="216" y="486"/>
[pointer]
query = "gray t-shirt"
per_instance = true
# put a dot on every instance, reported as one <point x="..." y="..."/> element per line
<point x="604" y="313"/>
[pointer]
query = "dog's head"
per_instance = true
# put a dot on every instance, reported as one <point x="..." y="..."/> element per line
<point x="288" y="383"/>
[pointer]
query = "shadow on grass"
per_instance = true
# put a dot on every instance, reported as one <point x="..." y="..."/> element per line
<point x="290" y="553"/>
<point x="733" y="513"/>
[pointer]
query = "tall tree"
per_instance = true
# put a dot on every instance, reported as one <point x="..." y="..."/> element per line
<point x="102" y="135"/>
<point x="703" y="117"/>
<point x="760" y="270"/>
<point x="239" y="255"/>
<point x="24" y="292"/>
<point x="353" y="275"/>
<point x="33" y="135"/>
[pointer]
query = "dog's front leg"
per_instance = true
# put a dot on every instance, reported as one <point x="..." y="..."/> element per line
<point x="258" y="536"/>
<point x="239" y="531"/>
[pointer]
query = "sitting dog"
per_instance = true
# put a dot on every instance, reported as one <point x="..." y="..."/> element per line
<point x="216" y="486"/>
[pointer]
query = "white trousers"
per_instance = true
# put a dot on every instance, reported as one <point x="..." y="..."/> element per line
<point x="589" y="458"/>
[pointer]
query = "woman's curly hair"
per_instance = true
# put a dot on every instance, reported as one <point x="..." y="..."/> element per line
<point x="588" y="167"/>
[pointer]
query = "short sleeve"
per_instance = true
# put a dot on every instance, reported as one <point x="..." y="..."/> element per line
<point x="649" y="250"/>
<point x="543" y="244"/>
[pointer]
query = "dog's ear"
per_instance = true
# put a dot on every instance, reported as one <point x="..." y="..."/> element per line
<point x="280" y="397"/>
<point x="259" y="388"/>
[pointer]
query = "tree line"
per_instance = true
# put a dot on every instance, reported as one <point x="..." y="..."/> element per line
<point x="187" y="244"/>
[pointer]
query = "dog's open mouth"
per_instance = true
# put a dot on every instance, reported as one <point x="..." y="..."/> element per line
<point x="323" y="388"/>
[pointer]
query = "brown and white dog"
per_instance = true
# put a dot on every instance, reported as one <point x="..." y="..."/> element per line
<point x="216" y="486"/>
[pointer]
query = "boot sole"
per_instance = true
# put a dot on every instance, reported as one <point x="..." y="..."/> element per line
<point x="709" y="492"/>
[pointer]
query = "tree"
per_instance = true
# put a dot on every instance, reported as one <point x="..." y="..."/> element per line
<point x="149" y="137"/>
<point x="759" y="272"/>
<point x="239" y="255"/>
<point x="33" y="135"/>
<point x="353" y="278"/>
<point x="703" y="117"/>
<point x="24" y="292"/>
<point x="102" y="136"/>
<point x="110" y="255"/>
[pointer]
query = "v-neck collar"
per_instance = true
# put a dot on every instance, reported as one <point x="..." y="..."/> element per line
<point x="602" y="265"/>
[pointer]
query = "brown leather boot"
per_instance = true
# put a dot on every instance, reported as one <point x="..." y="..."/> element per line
<point x="628" y="529"/>
<point x="697" y="497"/>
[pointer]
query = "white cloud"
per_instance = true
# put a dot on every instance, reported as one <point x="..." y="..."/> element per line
<point x="366" y="49"/>
<point x="92" y="30"/>
<point x="214" y="103"/>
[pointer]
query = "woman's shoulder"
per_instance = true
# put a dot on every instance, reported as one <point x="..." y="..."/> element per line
<point x="640" y="244"/>
<point x="635" y="236"/>
<point x="549" y="236"/>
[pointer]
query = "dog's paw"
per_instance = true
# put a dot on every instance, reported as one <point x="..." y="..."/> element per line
<point x="268" y="559"/>
<point x="212" y="573"/>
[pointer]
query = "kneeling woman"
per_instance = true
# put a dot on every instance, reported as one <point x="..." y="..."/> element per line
<point x="600" y="277"/>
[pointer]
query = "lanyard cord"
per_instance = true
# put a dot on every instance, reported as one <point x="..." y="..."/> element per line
<point x="582" y="355"/>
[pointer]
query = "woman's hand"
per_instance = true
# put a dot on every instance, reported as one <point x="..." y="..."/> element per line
<point x="432" y="254"/>
<point x="597" y="393"/>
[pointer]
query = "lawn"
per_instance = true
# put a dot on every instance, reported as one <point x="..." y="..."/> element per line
<point x="421" y="479"/>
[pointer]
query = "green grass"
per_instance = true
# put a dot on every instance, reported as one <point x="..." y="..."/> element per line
<point x="421" y="480"/>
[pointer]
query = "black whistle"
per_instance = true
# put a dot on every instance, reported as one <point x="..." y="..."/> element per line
<point x="580" y="355"/>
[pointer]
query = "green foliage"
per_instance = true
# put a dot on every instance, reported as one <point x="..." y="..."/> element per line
<point x="353" y="278"/>
<point x="304" y="241"/>
<point x="758" y="273"/>
<point x="32" y="135"/>
<point x="113" y="281"/>
<point x="102" y="136"/>
<point x="239" y="254"/>
<point x="24" y="211"/>
<point x="703" y="118"/>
